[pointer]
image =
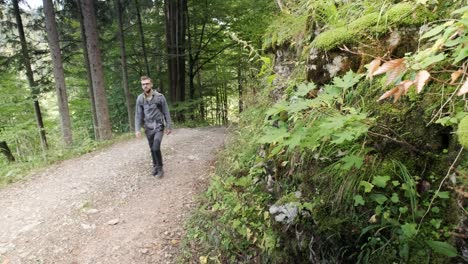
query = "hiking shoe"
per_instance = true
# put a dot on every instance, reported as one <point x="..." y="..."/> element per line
<point x="160" y="173"/>
<point x="155" y="171"/>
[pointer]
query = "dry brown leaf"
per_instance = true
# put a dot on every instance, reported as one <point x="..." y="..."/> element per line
<point x="389" y="66"/>
<point x="464" y="88"/>
<point x="421" y="79"/>
<point x="398" y="93"/>
<point x="388" y="93"/>
<point x="392" y="75"/>
<point x="455" y="76"/>
<point x="406" y="85"/>
<point x="373" y="66"/>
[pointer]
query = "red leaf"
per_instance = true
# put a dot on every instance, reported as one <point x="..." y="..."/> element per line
<point x="398" y="93"/>
<point x="455" y="76"/>
<point x="388" y="94"/>
<point x="464" y="88"/>
<point x="406" y="85"/>
<point x="421" y="79"/>
<point x="392" y="75"/>
<point x="373" y="66"/>
<point x="388" y="66"/>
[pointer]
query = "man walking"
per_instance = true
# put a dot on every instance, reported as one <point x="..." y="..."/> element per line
<point x="152" y="110"/>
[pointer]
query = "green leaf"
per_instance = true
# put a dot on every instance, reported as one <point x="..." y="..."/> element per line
<point x="403" y="209"/>
<point x="367" y="186"/>
<point x="432" y="60"/>
<point x="273" y="135"/>
<point x="395" y="198"/>
<point x="443" y="195"/>
<point x="395" y="183"/>
<point x="435" y="209"/>
<point x="436" y="30"/>
<point x="298" y="106"/>
<point x="462" y="54"/>
<point x="303" y="89"/>
<point x="409" y="230"/>
<point x="436" y="223"/>
<point x="379" y="198"/>
<point x="347" y="81"/>
<point x="358" y="200"/>
<point x="443" y="248"/>
<point x="381" y="181"/>
<point x="350" y="161"/>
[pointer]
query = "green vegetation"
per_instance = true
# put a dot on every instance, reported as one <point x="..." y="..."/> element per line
<point x="328" y="173"/>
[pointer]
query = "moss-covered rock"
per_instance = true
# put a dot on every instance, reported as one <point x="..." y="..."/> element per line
<point x="463" y="132"/>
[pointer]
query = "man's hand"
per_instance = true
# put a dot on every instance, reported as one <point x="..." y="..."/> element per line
<point x="168" y="131"/>
<point x="138" y="134"/>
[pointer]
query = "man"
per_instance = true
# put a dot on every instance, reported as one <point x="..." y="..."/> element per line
<point x="152" y="110"/>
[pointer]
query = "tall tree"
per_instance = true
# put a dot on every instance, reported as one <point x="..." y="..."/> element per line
<point x="89" y="78"/>
<point x="61" y="89"/>
<point x="175" y="41"/>
<point x="97" y="72"/>
<point x="29" y="74"/>
<point x="142" y="37"/>
<point x="123" y="62"/>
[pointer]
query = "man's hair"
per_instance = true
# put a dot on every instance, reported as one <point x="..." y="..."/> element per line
<point x="145" y="78"/>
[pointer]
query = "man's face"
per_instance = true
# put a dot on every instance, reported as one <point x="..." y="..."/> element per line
<point x="146" y="85"/>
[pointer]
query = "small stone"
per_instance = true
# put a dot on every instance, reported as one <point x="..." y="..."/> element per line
<point x="92" y="211"/>
<point x="113" y="221"/>
<point x="144" y="251"/>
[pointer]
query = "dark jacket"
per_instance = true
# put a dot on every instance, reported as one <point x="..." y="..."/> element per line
<point x="152" y="113"/>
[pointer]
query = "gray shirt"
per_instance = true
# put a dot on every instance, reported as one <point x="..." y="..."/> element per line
<point x="152" y="111"/>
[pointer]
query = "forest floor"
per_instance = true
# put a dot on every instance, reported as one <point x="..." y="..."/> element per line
<point x="105" y="207"/>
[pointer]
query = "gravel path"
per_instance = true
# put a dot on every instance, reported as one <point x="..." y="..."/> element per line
<point x="105" y="207"/>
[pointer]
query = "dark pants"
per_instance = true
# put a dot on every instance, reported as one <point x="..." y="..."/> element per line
<point x="154" y="140"/>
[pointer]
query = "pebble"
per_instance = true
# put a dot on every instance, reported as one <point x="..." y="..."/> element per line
<point x="113" y="221"/>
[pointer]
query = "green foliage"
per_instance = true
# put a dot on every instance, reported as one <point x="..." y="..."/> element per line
<point x="463" y="132"/>
<point x="373" y="23"/>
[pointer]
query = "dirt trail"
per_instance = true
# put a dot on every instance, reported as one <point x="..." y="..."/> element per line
<point x="105" y="207"/>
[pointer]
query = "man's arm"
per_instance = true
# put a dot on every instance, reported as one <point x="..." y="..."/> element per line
<point x="138" y="117"/>
<point x="167" y="115"/>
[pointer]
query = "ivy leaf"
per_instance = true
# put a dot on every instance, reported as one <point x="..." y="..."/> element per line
<point x="380" y="181"/>
<point x="403" y="210"/>
<point x="367" y="186"/>
<point x="395" y="198"/>
<point x="443" y="248"/>
<point x="358" y="200"/>
<point x="409" y="230"/>
<point x="436" y="223"/>
<point x="347" y="81"/>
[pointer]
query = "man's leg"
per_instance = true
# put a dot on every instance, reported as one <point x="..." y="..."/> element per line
<point x="156" y="149"/>
<point x="150" y="136"/>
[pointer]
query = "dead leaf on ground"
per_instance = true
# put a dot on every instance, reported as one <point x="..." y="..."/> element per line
<point x="455" y="75"/>
<point x="406" y="85"/>
<point x="464" y="89"/>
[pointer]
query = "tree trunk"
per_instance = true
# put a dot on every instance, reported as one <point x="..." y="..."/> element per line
<point x="142" y="38"/>
<point x="61" y="89"/>
<point x="123" y="62"/>
<point x="175" y="40"/>
<point x="88" y="71"/>
<point x="6" y="151"/>
<point x="97" y="73"/>
<point x="29" y="74"/>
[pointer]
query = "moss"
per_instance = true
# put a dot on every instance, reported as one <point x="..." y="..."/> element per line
<point x="398" y="15"/>
<point x="331" y="38"/>
<point x="463" y="132"/>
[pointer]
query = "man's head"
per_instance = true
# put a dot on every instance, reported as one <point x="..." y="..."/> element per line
<point x="146" y="84"/>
